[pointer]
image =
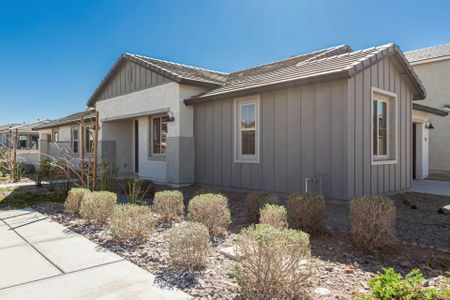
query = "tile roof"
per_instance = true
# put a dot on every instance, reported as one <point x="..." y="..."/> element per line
<point x="30" y="126"/>
<point x="6" y="127"/>
<point x="428" y="53"/>
<point x="335" y="65"/>
<point x="67" y="120"/>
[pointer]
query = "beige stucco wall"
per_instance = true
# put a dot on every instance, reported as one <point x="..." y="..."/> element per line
<point x="436" y="78"/>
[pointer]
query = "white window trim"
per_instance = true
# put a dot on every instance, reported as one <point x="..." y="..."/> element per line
<point x="385" y="159"/>
<point x="152" y="154"/>
<point x="72" y="139"/>
<point x="238" y="157"/>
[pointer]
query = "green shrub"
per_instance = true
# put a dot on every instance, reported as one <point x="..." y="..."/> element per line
<point x="373" y="222"/>
<point x="136" y="190"/>
<point x="274" y="215"/>
<point x="132" y="222"/>
<point x="98" y="207"/>
<point x="392" y="285"/>
<point x="272" y="263"/>
<point x="255" y="201"/>
<point x="169" y="205"/>
<point x="205" y="190"/>
<point x="189" y="245"/>
<point x="306" y="212"/>
<point x="74" y="199"/>
<point x="212" y="211"/>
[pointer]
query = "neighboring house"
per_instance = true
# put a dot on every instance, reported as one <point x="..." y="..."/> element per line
<point x="27" y="142"/>
<point x="433" y="67"/>
<point x="61" y="138"/>
<point x="4" y="131"/>
<point x="339" y="116"/>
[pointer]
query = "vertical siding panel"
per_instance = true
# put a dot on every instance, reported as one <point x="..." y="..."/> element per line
<point x="227" y="141"/>
<point x="217" y="142"/>
<point x="408" y="126"/>
<point x="393" y="89"/>
<point x="246" y="175"/>
<point x="280" y="140"/>
<point x="403" y="136"/>
<point x="398" y="166"/>
<point x="381" y="167"/>
<point x="359" y="121"/>
<point x="374" y="172"/>
<point x="209" y="143"/>
<point x="323" y="134"/>
<point x="337" y="134"/>
<point x="200" y="143"/>
<point x="293" y="141"/>
<point x="307" y="132"/>
<point x="367" y="125"/>
<point x="268" y="142"/>
<point x="350" y="142"/>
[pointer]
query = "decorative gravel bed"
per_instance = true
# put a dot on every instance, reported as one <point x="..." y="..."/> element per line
<point x="342" y="271"/>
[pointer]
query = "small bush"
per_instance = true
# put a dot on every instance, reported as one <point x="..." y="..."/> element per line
<point x="273" y="263"/>
<point x="212" y="211"/>
<point x="132" y="222"/>
<point x="202" y="191"/>
<point x="373" y="222"/>
<point x="255" y="201"/>
<point x="169" y="205"/>
<point x="98" y="207"/>
<point x="189" y="245"/>
<point x="392" y="285"/>
<point x="306" y="212"/>
<point x="274" y="215"/>
<point x="74" y="199"/>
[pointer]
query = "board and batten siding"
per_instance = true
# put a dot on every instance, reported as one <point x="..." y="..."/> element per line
<point x="301" y="135"/>
<point x="130" y="77"/>
<point x="363" y="177"/>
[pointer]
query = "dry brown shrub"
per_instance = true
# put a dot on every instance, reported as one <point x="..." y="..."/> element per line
<point x="306" y="212"/>
<point x="169" y="205"/>
<point x="255" y="201"/>
<point x="212" y="211"/>
<point x="98" y="207"/>
<point x="205" y="190"/>
<point x="131" y="222"/>
<point x="373" y="222"/>
<point x="189" y="245"/>
<point x="74" y="199"/>
<point x="274" y="215"/>
<point x="273" y="263"/>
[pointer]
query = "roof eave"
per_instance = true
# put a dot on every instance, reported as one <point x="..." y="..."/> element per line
<point x="431" y="110"/>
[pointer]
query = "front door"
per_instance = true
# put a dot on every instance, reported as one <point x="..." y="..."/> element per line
<point x="136" y="146"/>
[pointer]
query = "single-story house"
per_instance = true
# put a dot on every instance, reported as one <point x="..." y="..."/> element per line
<point x="339" y="118"/>
<point x="4" y="132"/>
<point x="27" y="142"/>
<point x="61" y="138"/>
<point x="433" y="67"/>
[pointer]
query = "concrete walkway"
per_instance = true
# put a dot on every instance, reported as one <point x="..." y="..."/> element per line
<point x="41" y="259"/>
<point x="431" y="187"/>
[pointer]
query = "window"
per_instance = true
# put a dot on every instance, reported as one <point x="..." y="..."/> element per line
<point x="22" y="142"/>
<point x="247" y="129"/>
<point x="89" y="139"/>
<point x="158" y="135"/>
<point x="55" y="136"/>
<point x="34" y="142"/>
<point x="384" y="126"/>
<point x="75" y="139"/>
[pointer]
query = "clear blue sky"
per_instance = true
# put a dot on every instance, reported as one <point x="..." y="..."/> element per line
<point x="54" y="53"/>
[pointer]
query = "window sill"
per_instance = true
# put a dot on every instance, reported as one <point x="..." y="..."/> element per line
<point x="244" y="161"/>
<point x="384" y="162"/>
<point x="157" y="158"/>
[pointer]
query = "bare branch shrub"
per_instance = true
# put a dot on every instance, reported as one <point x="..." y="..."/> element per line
<point x="135" y="190"/>
<point x="74" y="199"/>
<point x="273" y="263"/>
<point x="306" y="212"/>
<point x="255" y="201"/>
<point x="274" y="215"/>
<point x="169" y="205"/>
<point x="205" y="190"/>
<point x="98" y="207"/>
<point x="131" y="222"/>
<point x="373" y="222"/>
<point x="189" y="245"/>
<point x="108" y="174"/>
<point x="212" y="211"/>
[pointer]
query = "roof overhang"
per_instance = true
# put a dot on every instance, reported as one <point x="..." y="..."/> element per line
<point x="431" y="110"/>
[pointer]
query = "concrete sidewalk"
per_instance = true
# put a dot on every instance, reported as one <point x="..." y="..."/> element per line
<point x="431" y="187"/>
<point x="41" y="259"/>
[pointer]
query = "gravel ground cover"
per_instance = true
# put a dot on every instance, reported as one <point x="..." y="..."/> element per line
<point x="341" y="270"/>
